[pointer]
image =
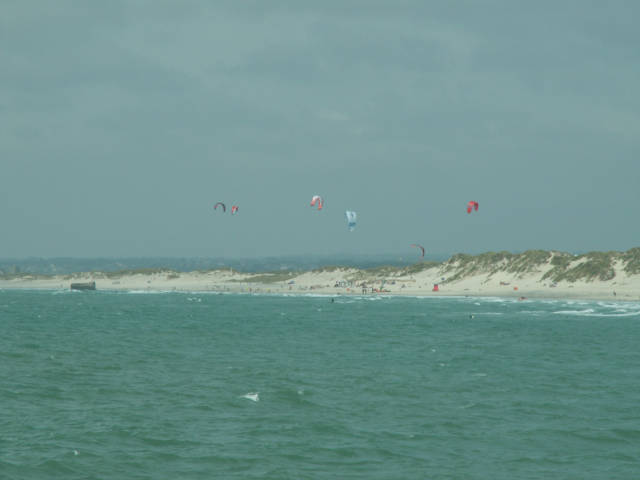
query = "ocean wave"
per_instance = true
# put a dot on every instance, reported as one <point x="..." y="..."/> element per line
<point x="574" y="312"/>
<point x="590" y="312"/>
<point x="253" y="396"/>
<point x="149" y="292"/>
<point x="602" y="314"/>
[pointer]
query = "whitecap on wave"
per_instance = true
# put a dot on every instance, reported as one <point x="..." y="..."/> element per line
<point x="627" y="314"/>
<point x="148" y="292"/>
<point x="574" y="312"/>
<point x="590" y="312"/>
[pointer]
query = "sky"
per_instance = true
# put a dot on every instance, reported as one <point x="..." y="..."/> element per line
<point x="122" y="123"/>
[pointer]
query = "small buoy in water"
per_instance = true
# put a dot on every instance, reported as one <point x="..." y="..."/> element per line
<point x="75" y="452"/>
<point x="472" y="316"/>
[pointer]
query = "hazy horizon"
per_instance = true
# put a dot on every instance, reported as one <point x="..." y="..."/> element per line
<point x="124" y="122"/>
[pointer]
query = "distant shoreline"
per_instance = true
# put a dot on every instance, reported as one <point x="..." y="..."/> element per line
<point x="536" y="274"/>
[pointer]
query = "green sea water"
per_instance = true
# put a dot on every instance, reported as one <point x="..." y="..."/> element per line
<point x="97" y="385"/>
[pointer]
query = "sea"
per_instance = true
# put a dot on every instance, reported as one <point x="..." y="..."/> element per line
<point x="165" y="385"/>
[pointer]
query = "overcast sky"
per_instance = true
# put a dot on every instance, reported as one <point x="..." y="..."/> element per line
<point x="123" y="122"/>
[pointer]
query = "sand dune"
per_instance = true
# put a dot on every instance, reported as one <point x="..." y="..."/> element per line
<point x="533" y="274"/>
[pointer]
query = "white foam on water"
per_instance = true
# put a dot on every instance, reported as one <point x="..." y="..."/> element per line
<point x="590" y="312"/>
<point x="574" y="312"/>
<point x="430" y="298"/>
<point x="615" y="315"/>
<point x="549" y="301"/>
<point x="253" y="396"/>
<point x="147" y="292"/>
<point x="497" y="300"/>
<point x="534" y="312"/>
<point x="621" y="307"/>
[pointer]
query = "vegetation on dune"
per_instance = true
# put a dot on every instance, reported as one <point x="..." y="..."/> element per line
<point x="171" y="274"/>
<point x="376" y="273"/>
<point x="464" y="265"/>
<point x="137" y="271"/>
<point x="562" y="267"/>
<point x="528" y="261"/>
<point x="388" y="271"/>
<point x="565" y="266"/>
<point x="419" y="267"/>
<point x="588" y="267"/>
<point x="631" y="258"/>
<point x="328" y="269"/>
<point x="562" y="260"/>
<point x="560" y="264"/>
<point x="382" y="271"/>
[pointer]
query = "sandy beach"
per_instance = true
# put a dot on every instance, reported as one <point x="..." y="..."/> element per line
<point x="499" y="278"/>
